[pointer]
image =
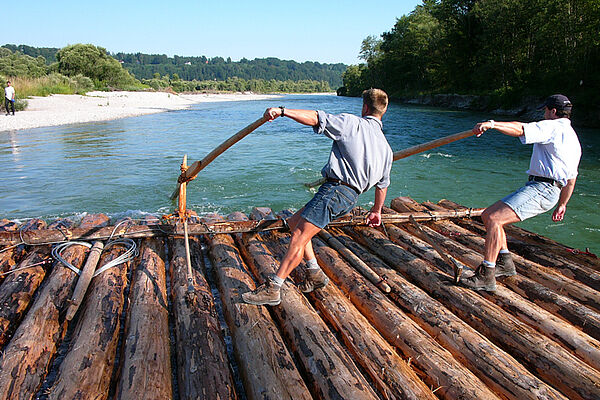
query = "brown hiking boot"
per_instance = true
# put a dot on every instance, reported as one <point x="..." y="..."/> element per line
<point x="313" y="279"/>
<point x="266" y="294"/>
<point x="505" y="265"/>
<point x="481" y="279"/>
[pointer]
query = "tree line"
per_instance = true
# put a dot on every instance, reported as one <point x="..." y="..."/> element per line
<point x="504" y="48"/>
<point x="146" y="66"/>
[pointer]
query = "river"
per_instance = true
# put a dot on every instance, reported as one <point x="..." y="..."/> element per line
<point x="129" y="167"/>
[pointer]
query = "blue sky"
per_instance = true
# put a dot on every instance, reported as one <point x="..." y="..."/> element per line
<point x="325" y="31"/>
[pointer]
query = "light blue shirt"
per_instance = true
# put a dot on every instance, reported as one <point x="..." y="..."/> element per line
<point x="360" y="154"/>
<point x="556" y="149"/>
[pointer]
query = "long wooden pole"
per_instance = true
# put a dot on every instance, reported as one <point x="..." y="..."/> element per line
<point x="198" y="166"/>
<point x="420" y="148"/>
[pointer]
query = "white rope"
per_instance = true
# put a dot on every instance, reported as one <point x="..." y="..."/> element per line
<point x="57" y="254"/>
<point x="130" y="254"/>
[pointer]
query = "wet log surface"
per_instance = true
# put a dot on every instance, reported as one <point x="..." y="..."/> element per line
<point x="392" y="376"/>
<point x="267" y="368"/>
<point x="85" y="372"/>
<point x="18" y="288"/>
<point x="550" y="361"/>
<point x="202" y="365"/>
<point x="492" y="365"/>
<point x="536" y="337"/>
<point x="26" y="358"/>
<point x="146" y="368"/>
<point x="333" y="373"/>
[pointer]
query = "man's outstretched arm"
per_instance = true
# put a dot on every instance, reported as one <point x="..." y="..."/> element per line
<point x="305" y="117"/>
<point x="513" y="128"/>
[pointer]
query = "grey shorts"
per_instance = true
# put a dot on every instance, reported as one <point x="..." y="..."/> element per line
<point x="331" y="201"/>
<point x="532" y="199"/>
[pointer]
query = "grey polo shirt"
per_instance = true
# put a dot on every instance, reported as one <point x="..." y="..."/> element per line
<point x="360" y="154"/>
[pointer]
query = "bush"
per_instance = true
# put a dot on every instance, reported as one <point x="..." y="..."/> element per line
<point x="94" y="63"/>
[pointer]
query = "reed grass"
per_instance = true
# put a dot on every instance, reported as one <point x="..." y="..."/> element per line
<point x="50" y="84"/>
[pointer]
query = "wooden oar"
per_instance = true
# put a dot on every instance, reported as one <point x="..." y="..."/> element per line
<point x="420" y="148"/>
<point x="198" y="166"/>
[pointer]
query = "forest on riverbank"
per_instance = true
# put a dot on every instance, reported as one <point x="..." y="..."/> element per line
<point x="81" y="68"/>
<point x="505" y="49"/>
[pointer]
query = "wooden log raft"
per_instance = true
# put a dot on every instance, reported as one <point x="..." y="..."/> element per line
<point x="334" y="374"/>
<point x="86" y="370"/>
<point x="143" y="231"/>
<point x="492" y="365"/>
<point x="27" y="357"/>
<point x="555" y="302"/>
<point x="390" y="374"/>
<point x="202" y="364"/>
<point x="550" y="361"/>
<point x="146" y="364"/>
<point x="266" y="367"/>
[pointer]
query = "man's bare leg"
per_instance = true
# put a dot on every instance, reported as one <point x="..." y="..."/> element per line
<point x="495" y="217"/>
<point x="300" y="246"/>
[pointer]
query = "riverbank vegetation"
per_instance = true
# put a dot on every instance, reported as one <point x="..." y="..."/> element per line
<point x="506" y="49"/>
<point x="181" y="74"/>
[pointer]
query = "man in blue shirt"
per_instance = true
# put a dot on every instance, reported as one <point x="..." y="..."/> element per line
<point x="360" y="158"/>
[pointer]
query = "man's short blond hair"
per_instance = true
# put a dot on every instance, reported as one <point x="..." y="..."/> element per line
<point x="376" y="100"/>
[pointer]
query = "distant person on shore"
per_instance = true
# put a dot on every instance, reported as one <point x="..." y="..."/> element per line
<point x="552" y="175"/>
<point x="360" y="158"/>
<point x="9" y="97"/>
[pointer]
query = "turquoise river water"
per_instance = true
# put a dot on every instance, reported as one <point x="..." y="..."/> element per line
<point x="129" y="167"/>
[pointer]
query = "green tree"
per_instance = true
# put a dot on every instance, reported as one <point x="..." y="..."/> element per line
<point x="93" y="62"/>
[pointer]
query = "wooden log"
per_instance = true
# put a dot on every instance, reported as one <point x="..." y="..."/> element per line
<point x="496" y="368"/>
<point x="83" y="282"/>
<point x="146" y="365"/>
<point x="143" y="231"/>
<point x="389" y="373"/>
<point x="519" y="234"/>
<point x="18" y="288"/>
<point x="86" y="370"/>
<point x="333" y="373"/>
<point x="356" y="262"/>
<point x="266" y="367"/>
<point x="436" y="366"/>
<point x="27" y="357"/>
<point x="202" y="364"/>
<point x="549" y="360"/>
<point x="530" y="282"/>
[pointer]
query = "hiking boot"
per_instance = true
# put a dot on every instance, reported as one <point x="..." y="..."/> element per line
<point x="505" y="265"/>
<point x="313" y="279"/>
<point x="267" y="294"/>
<point x="481" y="279"/>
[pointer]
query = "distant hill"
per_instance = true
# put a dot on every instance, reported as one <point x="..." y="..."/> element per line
<point x="145" y="66"/>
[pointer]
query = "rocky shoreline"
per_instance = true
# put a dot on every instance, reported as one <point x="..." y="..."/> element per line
<point x="526" y="110"/>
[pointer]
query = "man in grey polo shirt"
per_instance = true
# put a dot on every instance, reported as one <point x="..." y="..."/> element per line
<point x="552" y="175"/>
<point x="360" y="158"/>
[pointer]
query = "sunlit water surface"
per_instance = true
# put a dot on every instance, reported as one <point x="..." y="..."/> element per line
<point x="129" y="167"/>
